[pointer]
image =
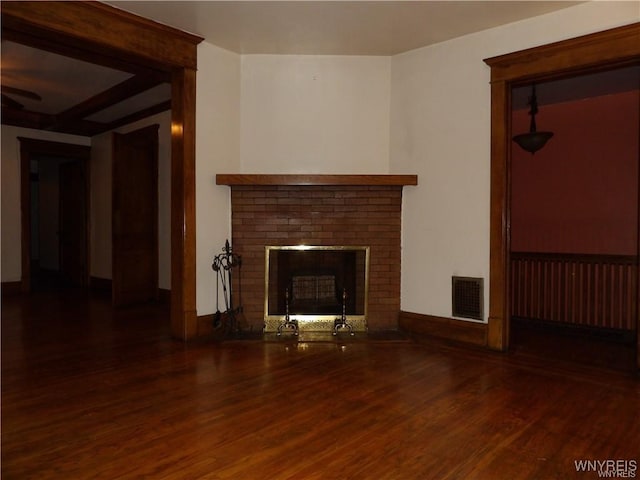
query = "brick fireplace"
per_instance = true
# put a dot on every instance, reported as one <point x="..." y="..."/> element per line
<point x="319" y="210"/>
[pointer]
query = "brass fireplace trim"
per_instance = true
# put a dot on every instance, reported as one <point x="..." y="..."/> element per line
<point x="316" y="322"/>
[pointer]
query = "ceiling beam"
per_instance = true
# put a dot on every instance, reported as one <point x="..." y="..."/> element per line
<point x="116" y="94"/>
<point x="72" y="51"/>
<point x="134" y="117"/>
<point x="85" y="128"/>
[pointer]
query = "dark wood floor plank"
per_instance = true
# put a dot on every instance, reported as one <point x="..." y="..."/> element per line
<point x="88" y="392"/>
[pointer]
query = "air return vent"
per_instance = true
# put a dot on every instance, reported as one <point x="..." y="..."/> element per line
<point x="467" y="296"/>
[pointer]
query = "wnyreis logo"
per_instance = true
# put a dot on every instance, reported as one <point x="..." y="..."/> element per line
<point x="608" y="468"/>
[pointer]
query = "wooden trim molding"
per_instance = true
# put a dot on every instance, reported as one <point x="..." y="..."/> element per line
<point x="47" y="147"/>
<point x="609" y="49"/>
<point x="447" y="328"/>
<point x="301" y="180"/>
<point x="206" y="330"/>
<point x="105" y="30"/>
<point x="184" y="323"/>
<point x="205" y="325"/>
<point x="569" y="57"/>
<point x="108" y="36"/>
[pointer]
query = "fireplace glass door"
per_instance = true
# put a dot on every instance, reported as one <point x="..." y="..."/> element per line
<point x="314" y="284"/>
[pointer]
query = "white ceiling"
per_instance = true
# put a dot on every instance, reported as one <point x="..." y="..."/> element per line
<point x="335" y="27"/>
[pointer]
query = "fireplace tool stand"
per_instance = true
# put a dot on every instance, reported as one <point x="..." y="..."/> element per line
<point x="223" y="265"/>
<point x="288" y="322"/>
<point x="341" y="322"/>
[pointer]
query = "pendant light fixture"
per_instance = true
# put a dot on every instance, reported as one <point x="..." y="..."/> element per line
<point x="533" y="140"/>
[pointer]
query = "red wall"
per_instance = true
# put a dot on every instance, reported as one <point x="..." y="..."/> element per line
<point x="579" y="194"/>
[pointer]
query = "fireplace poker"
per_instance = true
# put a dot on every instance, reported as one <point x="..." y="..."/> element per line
<point x="223" y="265"/>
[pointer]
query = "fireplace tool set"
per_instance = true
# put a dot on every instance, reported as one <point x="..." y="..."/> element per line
<point x="223" y="265"/>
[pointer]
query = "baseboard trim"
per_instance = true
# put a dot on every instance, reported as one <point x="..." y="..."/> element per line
<point x="206" y="329"/>
<point x="205" y="325"/>
<point x="474" y="333"/>
<point x="210" y="327"/>
<point x="11" y="288"/>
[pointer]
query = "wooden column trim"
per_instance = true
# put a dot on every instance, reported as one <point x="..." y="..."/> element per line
<point x="184" y="322"/>
<point x="500" y="237"/>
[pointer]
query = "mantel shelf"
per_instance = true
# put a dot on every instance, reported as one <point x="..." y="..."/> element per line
<point x="302" y="180"/>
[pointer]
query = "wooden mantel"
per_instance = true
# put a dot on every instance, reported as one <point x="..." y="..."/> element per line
<point x="303" y="179"/>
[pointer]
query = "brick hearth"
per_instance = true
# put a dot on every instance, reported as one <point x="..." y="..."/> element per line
<point x="336" y="214"/>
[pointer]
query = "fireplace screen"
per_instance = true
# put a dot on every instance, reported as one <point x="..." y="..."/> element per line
<point x="315" y="283"/>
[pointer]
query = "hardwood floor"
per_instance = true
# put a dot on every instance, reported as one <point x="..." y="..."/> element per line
<point x="92" y="393"/>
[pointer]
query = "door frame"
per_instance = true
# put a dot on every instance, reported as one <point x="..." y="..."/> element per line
<point x="30" y="148"/>
<point x="127" y="37"/>
<point x="615" y="48"/>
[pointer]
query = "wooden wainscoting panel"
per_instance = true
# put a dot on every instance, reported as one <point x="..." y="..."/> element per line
<point x="588" y="290"/>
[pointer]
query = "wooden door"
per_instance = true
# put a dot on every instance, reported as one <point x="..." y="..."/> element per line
<point x="72" y="223"/>
<point x="135" y="217"/>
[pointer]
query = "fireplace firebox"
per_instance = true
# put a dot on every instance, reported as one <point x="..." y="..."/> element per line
<point x="315" y="285"/>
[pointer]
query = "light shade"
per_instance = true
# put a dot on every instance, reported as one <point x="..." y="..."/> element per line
<point x="532" y="141"/>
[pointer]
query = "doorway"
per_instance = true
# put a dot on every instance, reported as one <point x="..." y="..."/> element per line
<point x="55" y="199"/>
<point x="574" y="220"/>
<point x="615" y="48"/>
<point x="58" y="223"/>
<point x="70" y="25"/>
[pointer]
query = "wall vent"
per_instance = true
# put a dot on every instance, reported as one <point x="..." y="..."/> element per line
<point x="467" y="297"/>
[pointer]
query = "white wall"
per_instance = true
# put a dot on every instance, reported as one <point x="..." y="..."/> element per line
<point x="100" y="212"/>
<point x="217" y="151"/>
<point x="315" y="114"/>
<point x="280" y="114"/>
<point x="440" y="129"/>
<point x="11" y="268"/>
